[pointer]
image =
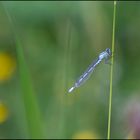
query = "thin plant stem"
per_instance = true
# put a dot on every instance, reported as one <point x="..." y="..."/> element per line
<point x="111" y="72"/>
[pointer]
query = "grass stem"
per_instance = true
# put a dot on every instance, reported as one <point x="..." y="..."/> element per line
<point x="111" y="72"/>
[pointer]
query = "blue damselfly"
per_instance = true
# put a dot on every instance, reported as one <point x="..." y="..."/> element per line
<point x="82" y="79"/>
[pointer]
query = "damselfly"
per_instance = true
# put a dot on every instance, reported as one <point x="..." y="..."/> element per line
<point x="104" y="55"/>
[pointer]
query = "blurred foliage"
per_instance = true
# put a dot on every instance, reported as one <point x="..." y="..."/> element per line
<point x="59" y="40"/>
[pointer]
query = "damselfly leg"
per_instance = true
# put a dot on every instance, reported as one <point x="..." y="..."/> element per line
<point x="107" y="61"/>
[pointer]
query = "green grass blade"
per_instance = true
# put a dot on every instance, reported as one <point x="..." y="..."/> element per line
<point x="31" y="106"/>
<point x="32" y="111"/>
<point x="111" y="72"/>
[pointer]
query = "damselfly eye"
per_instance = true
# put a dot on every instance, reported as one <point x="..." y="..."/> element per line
<point x="108" y="51"/>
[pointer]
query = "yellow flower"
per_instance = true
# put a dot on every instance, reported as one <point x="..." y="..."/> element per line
<point x="85" y="135"/>
<point x="7" y="66"/>
<point x="3" y="113"/>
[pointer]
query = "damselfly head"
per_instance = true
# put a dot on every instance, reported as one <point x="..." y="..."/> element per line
<point x="108" y="51"/>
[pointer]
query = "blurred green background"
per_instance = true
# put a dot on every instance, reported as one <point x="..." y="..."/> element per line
<point x="45" y="46"/>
